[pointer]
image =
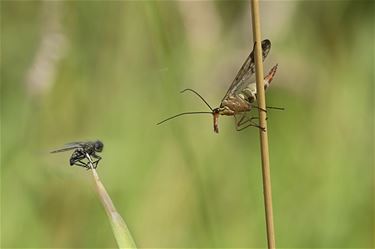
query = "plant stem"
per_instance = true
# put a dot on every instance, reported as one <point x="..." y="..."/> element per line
<point x="119" y="227"/>
<point x="263" y="123"/>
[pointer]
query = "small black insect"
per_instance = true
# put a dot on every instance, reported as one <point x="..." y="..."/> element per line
<point x="83" y="150"/>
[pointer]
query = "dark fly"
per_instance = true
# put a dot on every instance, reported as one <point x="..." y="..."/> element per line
<point x="241" y="96"/>
<point x="83" y="150"/>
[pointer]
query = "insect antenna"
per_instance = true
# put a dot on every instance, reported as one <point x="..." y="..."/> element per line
<point x="181" y="114"/>
<point x="191" y="90"/>
<point x="188" y="113"/>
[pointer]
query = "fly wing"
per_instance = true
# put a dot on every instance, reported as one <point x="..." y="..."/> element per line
<point x="78" y="143"/>
<point x="69" y="146"/>
<point x="247" y="70"/>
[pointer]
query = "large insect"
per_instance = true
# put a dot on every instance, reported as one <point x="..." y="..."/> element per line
<point x="241" y="96"/>
<point x="83" y="150"/>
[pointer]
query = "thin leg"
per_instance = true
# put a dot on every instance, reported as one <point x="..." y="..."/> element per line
<point x="245" y="123"/>
<point x="269" y="107"/>
<point x="254" y="125"/>
<point x="240" y="121"/>
<point x="261" y="109"/>
<point x="276" y="108"/>
<point x="95" y="164"/>
<point x="258" y="118"/>
<point x="80" y="163"/>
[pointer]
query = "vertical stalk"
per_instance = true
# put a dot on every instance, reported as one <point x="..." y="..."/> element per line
<point x="263" y="123"/>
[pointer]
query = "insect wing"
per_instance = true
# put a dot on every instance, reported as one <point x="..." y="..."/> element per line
<point x="69" y="146"/>
<point x="243" y="76"/>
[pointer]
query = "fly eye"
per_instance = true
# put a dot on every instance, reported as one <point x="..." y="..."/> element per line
<point x="98" y="147"/>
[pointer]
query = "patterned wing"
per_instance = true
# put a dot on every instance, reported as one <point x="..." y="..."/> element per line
<point x="247" y="70"/>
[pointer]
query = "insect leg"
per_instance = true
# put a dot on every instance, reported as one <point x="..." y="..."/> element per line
<point x="258" y="118"/>
<point x="240" y="121"/>
<point x="245" y="123"/>
<point x="95" y="164"/>
<point x="81" y="164"/>
<point x="253" y="125"/>
<point x="94" y="155"/>
<point x="276" y="108"/>
<point x="244" y="120"/>
<point x="261" y="109"/>
<point x="269" y="107"/>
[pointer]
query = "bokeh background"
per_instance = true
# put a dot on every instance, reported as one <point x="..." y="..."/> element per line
<point x="113" y="69"/>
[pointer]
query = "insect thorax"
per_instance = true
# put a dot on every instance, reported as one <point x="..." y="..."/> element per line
<point x="234" y="104"/>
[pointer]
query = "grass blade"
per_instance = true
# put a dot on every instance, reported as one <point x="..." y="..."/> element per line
<point x="119" y="227"/>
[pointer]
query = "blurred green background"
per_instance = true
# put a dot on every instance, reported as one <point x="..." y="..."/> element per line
<point x="112" y="70"/>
